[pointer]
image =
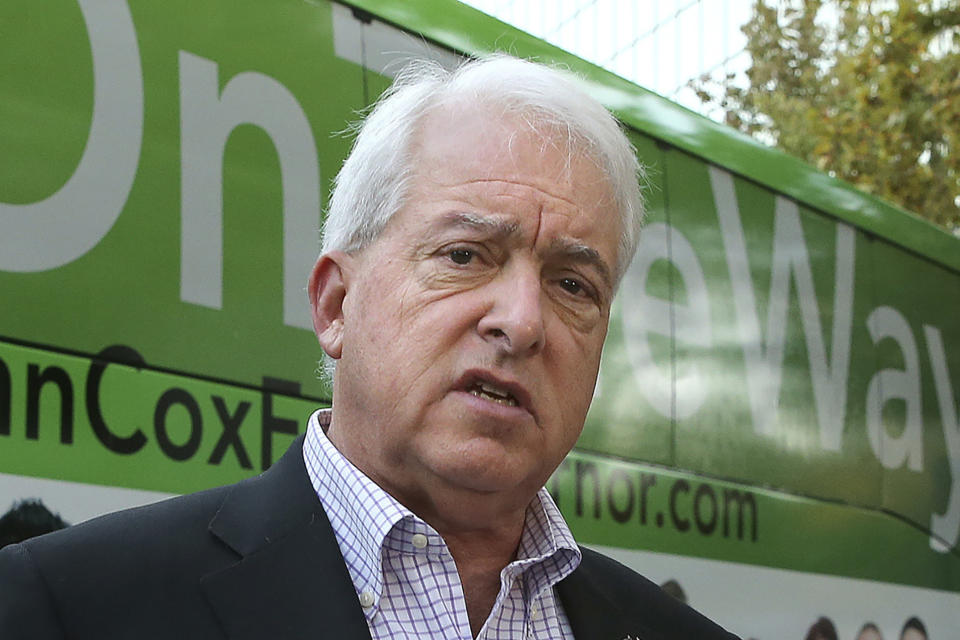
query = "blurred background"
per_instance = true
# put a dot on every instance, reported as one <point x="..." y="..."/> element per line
<point x="865" y="90"/>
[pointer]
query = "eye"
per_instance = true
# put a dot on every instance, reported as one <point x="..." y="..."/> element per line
<point x="571" y="286"/>
<point x="461" y="256"/>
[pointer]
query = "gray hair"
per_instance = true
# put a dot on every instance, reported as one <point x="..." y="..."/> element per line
<point x="375" y="178"/>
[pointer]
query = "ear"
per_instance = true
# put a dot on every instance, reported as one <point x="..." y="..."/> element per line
<point x="327" y="290"/>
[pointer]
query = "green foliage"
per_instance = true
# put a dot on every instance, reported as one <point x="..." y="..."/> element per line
<point x="868" y="90"/>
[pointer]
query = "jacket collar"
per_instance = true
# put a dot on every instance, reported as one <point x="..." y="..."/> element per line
<point x="290" y="581"/>
<point x="591" y="613"/>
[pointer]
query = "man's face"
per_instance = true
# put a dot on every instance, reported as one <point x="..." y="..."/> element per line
<point x="473" y="326"/>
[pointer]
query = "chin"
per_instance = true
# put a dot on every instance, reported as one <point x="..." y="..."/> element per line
<point x="487" y="471"/>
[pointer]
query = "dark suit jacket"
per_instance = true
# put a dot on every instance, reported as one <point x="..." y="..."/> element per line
<point x="256" y="560"/>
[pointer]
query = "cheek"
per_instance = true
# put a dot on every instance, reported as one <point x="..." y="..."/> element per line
<point x="437" y="311"/>
<point x="406" y="329"/>
<point x="575" y="346"/>
<point x="575" y="360"/>
<point x="377" y="304"/>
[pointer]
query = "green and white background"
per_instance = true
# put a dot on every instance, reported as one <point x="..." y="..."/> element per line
<point x="776" y="420"/>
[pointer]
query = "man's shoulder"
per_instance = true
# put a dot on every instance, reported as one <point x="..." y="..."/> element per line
<point x="129" y="539"/>
<point x="617" y="577"/>
<point x="177" y="568"/>
<point x="131" y="567"/>
<point x="135" y="522"/>
<point x="280" y="494"/>
<point x="603" y="585"/>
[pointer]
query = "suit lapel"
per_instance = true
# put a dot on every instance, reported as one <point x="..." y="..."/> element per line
<point x="601" y="605"/>
<point x="291" y="581"/>
<point x="591" y="614"/>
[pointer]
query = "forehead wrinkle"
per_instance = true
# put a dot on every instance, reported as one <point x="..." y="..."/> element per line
<point x="536" y="233"/>
<point x="582" y="254"/>
<point x="521" y="183"/>
<point x="490" y="225"/>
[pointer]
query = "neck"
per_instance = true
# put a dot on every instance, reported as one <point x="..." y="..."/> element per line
<point x="481" y="528"/>
<point x="482" y="535"/>
<point x="480" y="556"/>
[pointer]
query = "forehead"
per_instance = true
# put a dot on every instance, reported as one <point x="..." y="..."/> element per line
<point x="487" y="141"/>
<point x="500" y="154"/>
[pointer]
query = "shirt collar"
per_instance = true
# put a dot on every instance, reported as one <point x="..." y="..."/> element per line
<point x="360" y="512"/>
<point x="547" y="552"/>
<point x="362" y="515"/>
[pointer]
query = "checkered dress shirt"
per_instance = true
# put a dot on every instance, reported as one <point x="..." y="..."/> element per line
<point x="405" y="577"/>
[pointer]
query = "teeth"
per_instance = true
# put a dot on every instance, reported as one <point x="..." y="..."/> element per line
<point x="489" y="392"/>
<point x="493" y="390"/>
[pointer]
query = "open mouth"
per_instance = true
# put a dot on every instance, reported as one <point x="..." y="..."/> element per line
<point x="493" y="393"/>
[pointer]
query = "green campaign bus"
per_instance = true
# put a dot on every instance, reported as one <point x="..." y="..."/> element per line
<point x="775" y="429"/>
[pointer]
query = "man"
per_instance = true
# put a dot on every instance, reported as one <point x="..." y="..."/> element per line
<point x="473" y="246"/>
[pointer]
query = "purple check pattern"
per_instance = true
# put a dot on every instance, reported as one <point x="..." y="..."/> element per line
<point x="405" y="577"/>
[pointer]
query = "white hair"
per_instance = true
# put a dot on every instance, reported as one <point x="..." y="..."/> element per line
<point x="376" y="176"/>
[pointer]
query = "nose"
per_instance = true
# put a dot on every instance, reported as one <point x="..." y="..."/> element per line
<point x="514" y="320"/>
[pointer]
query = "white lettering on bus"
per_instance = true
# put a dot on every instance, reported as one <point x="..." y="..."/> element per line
<point x="945" y="527"/>
<point x="764" y="358"/>
<point x="59" y="229"/>
<point x="207" y="119"/>
<point x="895" y="384"/>
<point x="675" y="395"/>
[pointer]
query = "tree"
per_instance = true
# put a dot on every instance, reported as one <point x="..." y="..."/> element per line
<point x="867" y="90"/>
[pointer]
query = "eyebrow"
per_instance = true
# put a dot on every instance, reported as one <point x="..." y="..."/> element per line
<point x="494" y="227"/>
<point x="566" y="248"/>
<point x="582" y="254"/>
